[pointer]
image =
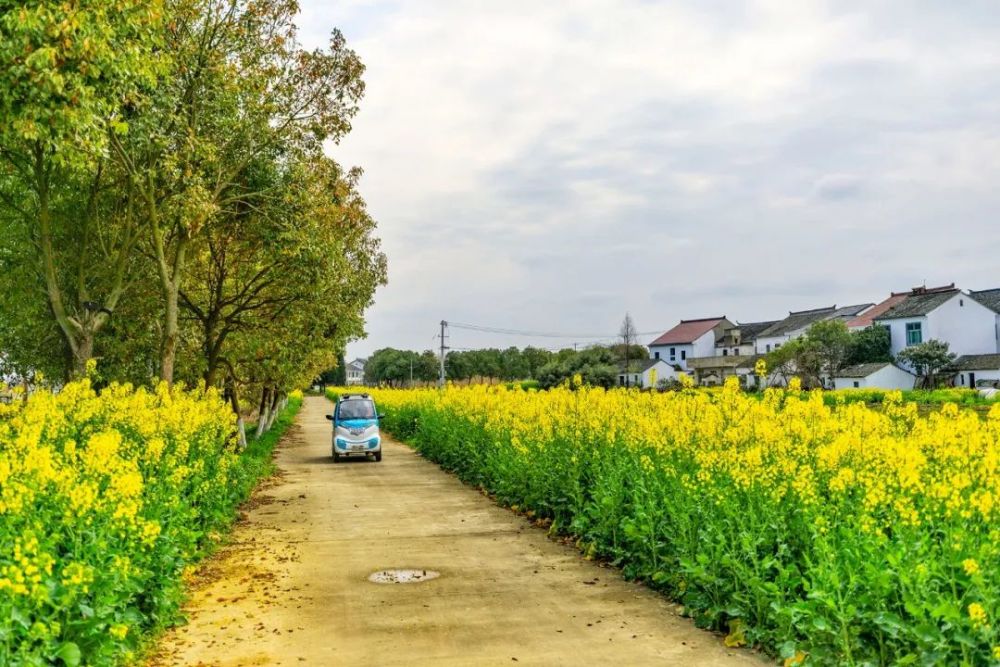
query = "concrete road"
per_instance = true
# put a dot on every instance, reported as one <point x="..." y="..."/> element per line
<point x="293" y="588"/>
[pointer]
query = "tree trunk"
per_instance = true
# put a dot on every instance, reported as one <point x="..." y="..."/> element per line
<point x="168" y="351"/>
<point x="263" y="411"/>
<point x="83" y="351"/>
<point x="234" y="402"/>
<point x="273" y="414"/>
<point x="170" y="281"/>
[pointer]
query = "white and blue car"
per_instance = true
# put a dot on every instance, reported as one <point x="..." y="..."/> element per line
<point x="355" y="428"/>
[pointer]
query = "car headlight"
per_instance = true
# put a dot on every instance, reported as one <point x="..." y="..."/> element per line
<point x="341" y="442"/>
<point x="373" y="442"/>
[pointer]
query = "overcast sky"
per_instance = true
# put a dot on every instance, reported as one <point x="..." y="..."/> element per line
<point x="550" y="165"/>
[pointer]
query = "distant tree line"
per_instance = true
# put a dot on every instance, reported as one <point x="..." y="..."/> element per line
<point x="598" y="365"/>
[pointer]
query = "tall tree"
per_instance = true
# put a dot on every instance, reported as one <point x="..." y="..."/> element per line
<point x="629" y="336"/>
<point x="69" y="75"/>
<point x="240" y="89"/>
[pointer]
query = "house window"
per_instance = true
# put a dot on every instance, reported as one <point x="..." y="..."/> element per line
<point x="961" y="302"/>
<point x="725" y="353"/>
<point x="673" y="353"/>
<point x="856" y="384"/>
<point x="656" y="355"/>
<point x="961" y="378"/>
<point x="768" y="347"/>
<point x="914" y="333"/>
<point x="684" y="354"/>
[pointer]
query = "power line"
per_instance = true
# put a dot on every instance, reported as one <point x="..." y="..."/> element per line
<point x="540" y="334"/>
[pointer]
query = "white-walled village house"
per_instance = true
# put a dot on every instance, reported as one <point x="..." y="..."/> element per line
<point x="882" y="375"/>
<point x="968" y="321"/>
<point x="946" y="314"/>
<point x="356" y="371"/>
<point x="690" y="338"/>
<point x="991" y="299"/>
<point x="976" y="371"/>
<point x="646" y="373"/>
<point x="798" y="322"/>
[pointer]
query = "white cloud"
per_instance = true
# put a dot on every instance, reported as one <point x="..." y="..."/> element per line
<point x="527" y="161"/>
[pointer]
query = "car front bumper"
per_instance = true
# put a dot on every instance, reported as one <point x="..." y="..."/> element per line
<point x="366" y="446"/>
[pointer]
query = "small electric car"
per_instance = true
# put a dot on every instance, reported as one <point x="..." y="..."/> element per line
<point x="355" y="428"/>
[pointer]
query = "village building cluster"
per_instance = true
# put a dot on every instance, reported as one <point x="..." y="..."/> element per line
<point x="712" y="349"/>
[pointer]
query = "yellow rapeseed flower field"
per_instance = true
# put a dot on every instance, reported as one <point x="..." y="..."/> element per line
<point x="842" y="534"/>
<point x="105" y="498"/>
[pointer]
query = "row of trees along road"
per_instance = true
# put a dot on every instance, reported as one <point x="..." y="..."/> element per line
<point x="166" y="204"/>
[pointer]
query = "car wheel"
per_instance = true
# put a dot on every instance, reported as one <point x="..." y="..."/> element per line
<point x="336" y="457"/>
<point x="378" y="456"/>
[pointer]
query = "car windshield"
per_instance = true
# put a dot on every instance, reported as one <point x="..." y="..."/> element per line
<point x="357" y="410"/>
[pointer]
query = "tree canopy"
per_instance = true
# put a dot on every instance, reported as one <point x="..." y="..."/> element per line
<point x="167" y="204"/>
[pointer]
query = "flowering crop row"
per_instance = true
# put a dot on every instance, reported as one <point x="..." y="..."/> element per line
<point x="826" y="534"/>
<point x="105" y="499"/>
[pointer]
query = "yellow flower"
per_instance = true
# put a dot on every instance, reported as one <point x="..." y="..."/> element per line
<point x="977" y="614"/>
<point x="118" y="631"/>
<point x="970" y="566"/>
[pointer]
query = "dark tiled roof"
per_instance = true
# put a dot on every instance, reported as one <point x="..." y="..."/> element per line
<point x="797" y="320"/>
<point x="976" y="362"/>
<point x="688" y="331"/>
<point x="848" y="312"/>
<point x="751" y="330"/>
<point x="989" y="298"/>
<point x="861" y="370"/>
<point x="915" y="305"/>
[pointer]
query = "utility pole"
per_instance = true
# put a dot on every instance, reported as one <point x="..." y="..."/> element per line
<point x="411" y="371"/>
<point x="443" y="348"/>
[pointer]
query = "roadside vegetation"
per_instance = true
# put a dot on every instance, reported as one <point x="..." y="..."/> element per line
<point x="177" y="255"/>
<point x="824" y="534"/>
<point x="105" y="500"/>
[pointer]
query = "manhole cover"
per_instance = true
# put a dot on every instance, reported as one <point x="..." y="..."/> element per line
<point x="402" y="576"/>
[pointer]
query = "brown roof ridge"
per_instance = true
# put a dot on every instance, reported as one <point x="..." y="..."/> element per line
<point x="923" y="289"/>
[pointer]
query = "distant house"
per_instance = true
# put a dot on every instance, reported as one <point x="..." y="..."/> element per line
<point x="791" y="327"/>
<point x="690" y="338"/>
<point x="881" y="375"/>
<point x="991" y="299"/>
<point x="356" y="371"/>
<point x="712" y="371"/>
<point x="941" y="313"/>
<point x="975" y="371"/>
<point x="646" y="373"/>
<point x="740" y="340"/>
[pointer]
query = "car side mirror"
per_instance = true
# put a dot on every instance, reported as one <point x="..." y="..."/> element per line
<point x="330" y="417"/>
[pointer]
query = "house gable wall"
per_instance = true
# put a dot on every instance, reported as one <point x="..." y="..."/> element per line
<point x="966" y="325"/>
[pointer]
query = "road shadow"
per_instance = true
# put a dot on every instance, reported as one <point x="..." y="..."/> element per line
<point x="328" y="460"/>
